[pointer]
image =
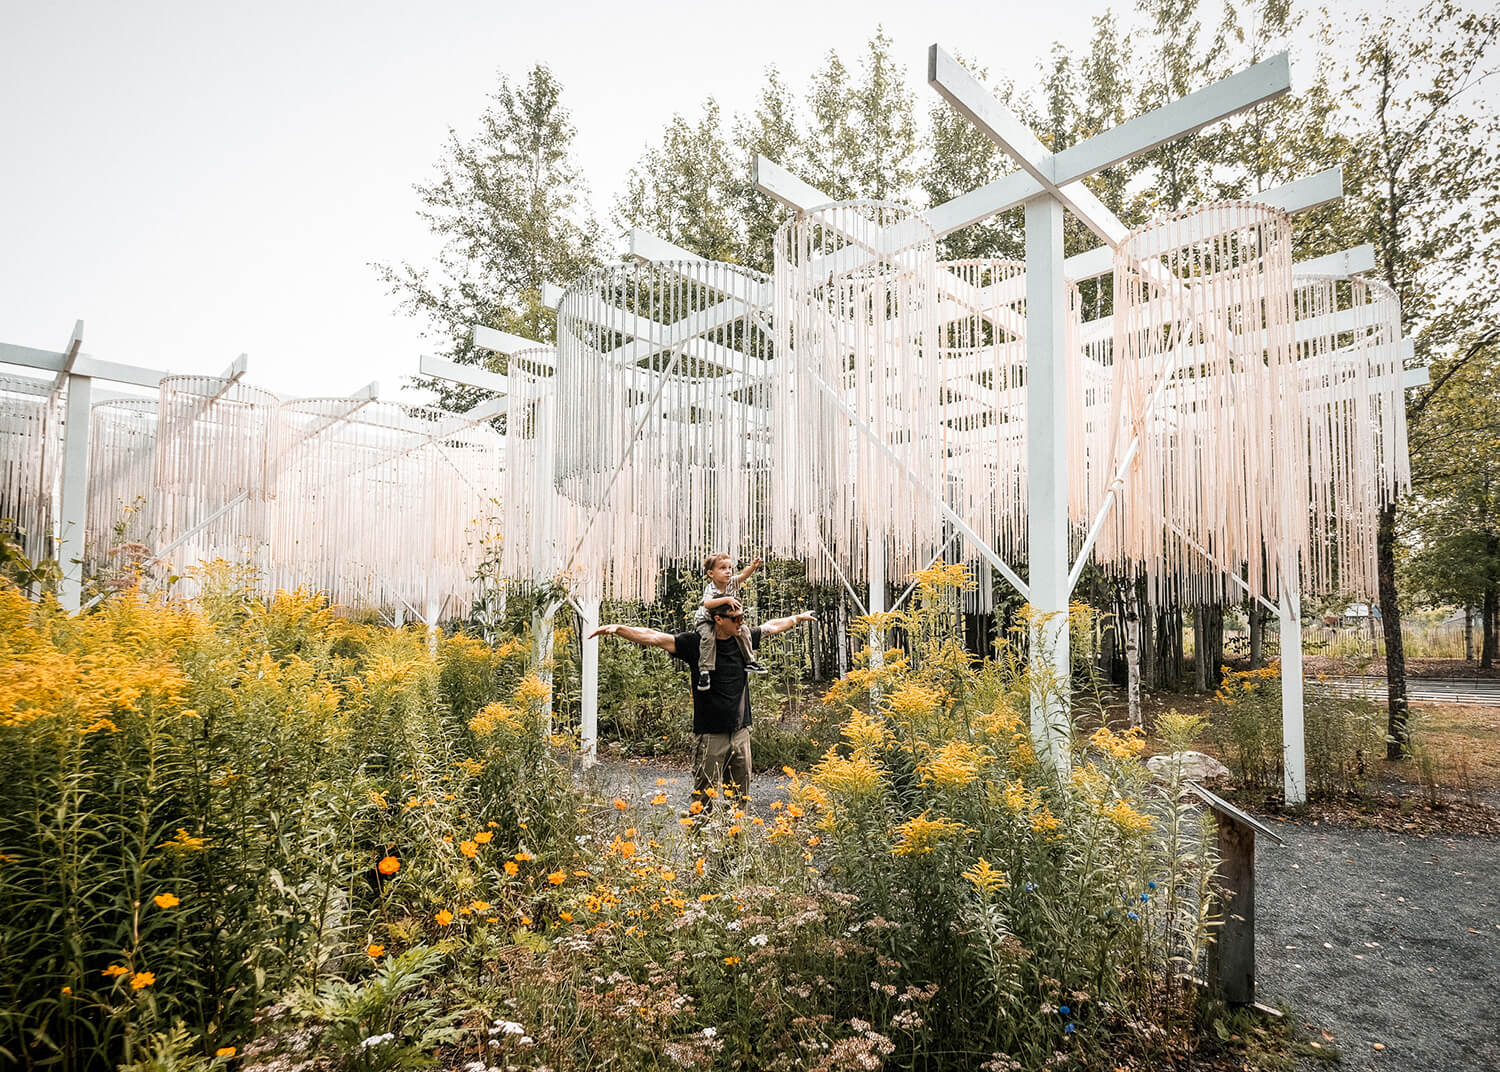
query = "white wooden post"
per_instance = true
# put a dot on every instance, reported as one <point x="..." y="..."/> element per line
<point x="588" y="611"/>
<point x="73" y="515"/>
<point x="1047" y="479"/>
<point x="1293" y="745"/>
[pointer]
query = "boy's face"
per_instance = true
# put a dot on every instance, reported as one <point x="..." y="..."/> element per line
<point x="720" y="573"/>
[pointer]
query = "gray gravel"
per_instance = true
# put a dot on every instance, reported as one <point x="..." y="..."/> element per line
<point x="1371" y="937"/>
<point x="1383" y="938"/>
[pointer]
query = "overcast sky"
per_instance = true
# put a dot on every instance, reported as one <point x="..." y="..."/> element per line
<point x="197" y="179"/>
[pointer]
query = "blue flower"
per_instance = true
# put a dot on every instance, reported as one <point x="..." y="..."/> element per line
<point x="1151" y="885"/>
<point x="1132" y="915"/>
<point x="1145" y="897"/>
<point x="1063" y="1010"/>
<point x="1070" y="1029"/>
<point x="1030" y="886"/>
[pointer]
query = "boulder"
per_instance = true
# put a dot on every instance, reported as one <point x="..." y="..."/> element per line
<point x="1194" y="765"/>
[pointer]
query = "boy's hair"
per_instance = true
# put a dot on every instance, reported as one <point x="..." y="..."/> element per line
<point x="714" y="559"/>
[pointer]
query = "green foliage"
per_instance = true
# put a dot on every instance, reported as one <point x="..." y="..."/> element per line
<point x="1341" y="735"/>
<point x="509" y="208"/>
<point x="383" y="1021"/>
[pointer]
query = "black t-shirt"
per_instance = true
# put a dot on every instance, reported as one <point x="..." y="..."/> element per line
<point x="724" y="706"/>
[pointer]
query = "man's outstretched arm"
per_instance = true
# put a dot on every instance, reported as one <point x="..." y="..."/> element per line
<point x="781" y="625"/>
<point x="646" y="638"/>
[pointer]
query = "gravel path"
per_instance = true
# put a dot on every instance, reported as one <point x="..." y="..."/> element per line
<point x="1368" y="936"/>
<point x="1382" y="938"/>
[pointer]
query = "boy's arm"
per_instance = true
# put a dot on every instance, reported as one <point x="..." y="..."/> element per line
<point x="744" y="575"/>
<point x="646" y="638"/>
<point x="781" y="625"/>
<point x="710" y="604"/>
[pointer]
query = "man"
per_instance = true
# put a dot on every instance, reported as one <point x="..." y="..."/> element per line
<point x="721" y="714"/>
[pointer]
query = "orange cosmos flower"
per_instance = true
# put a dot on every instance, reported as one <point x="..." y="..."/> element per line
<point x="375" y="950"/>
<point x="388" y="866"/>
<point x="142" y="979"/>
<point x="225" y="1051"/>
<point x="468" y="848"/>
<point x="166" y="900"/>
<point x="557" y="878"/>
<point x="444" y="917"/>
<point x="511" y="867"/>
<point x="483" y="837"/>
<point x="620" y="804"/>
<point x="115" y="970"/>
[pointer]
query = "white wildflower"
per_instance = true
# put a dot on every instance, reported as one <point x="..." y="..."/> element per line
<point x="377" y="1040"/>
<point x="759" y="939"/>
<point x="710" y="1032"/>
<point x="507" y="1027"/>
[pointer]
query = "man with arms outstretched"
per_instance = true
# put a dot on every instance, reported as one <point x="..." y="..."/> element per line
<point x="721" y="714"/>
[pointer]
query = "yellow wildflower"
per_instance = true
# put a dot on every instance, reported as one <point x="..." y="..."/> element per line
<point x="557" y="878"/>
<point x="986" y="879"/>
<point x="444" y="917"/>
<point x="115" y="970"/>
<point x="511" y="867"/>
<point x="166" y="900"/>
<point x="919" y="836"/>
<point x="142" y="979"/>
<point x="225" y="1051"/>
<point x="374" y="949"/>
<point x="484" y="837"/>
<point x="954" y="765"/>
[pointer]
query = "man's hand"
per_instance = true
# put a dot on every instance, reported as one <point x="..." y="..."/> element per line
<point x="604" y="630"/>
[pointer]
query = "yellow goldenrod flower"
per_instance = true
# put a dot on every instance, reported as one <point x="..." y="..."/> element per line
<point x="919" y="836"/>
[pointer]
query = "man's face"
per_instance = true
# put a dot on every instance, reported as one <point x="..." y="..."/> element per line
<point x="721" y="573"/>
<point x="726" y="625"/>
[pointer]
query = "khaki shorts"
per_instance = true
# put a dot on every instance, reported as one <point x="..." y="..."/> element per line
<point x="721" y="761"/>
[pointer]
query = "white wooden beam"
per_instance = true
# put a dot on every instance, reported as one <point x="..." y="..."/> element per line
<point x="468" y="375"/>
<point x="1254" y="85"/>
<point x="1345" y="262"/>
<point x="503" y="342"/>
<point x="551" y="295"/>
<point x="645" y="246"/>
<point x="779" y="184"/>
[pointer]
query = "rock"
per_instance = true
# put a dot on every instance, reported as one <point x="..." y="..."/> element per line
<point x="1194" y="765"/>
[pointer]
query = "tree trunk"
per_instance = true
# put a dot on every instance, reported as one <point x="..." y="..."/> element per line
<point x="1133" y="664"/>
<point x="1208" y="647"/>
<point x="1257" y="635"/>
<point x="1468" y="633"/>
<point x="1398" y="709"/>
<point x="1491" y="634"/>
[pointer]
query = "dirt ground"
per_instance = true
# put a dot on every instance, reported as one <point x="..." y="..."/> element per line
<point x="1351" y="666"/>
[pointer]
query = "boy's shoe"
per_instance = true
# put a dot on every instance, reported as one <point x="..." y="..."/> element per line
<point x="754" y="667"/>
<point x="703" y="681"/>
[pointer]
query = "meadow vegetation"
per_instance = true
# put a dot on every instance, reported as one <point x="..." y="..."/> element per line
<point x="240" y="832"/>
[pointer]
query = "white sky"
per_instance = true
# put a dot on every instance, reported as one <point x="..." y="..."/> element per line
<point x="195" y="180"/>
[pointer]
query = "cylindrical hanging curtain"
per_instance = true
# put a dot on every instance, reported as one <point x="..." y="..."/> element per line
<point x="30" y="454"/>
<point x="1350" y="366"/>
<point x="661" y="418"/>
<point x="857" y="406"/>
<point x="215" y="441"/>
<point x="1206" y="378"/>
<point x="431" y="479"/>
<point x="122" y="461"/>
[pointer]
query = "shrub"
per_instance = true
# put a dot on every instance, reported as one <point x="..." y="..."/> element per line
<point x="1340" y="734"/>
